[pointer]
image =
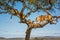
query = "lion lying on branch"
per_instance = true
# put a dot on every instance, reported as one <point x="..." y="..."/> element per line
<point x="40" y="19"/>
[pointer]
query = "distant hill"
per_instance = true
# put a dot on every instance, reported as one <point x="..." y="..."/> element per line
<point x="34" y="38"/>
<point x="2" y="38"/>
<point x="46" y="38"/>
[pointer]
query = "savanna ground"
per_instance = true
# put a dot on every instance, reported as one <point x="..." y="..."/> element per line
<point x="35" y="38"/>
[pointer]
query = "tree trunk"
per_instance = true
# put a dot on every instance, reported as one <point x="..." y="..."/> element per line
<point x="28" y="34"/>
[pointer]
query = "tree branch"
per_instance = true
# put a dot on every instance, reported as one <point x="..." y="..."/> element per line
<point x="56" y="16"/>
<point x="29" y="13"/>
<point x="3" y="12"/>
<point x="23" y="7"/>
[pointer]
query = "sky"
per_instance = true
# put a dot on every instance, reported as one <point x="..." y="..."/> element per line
<point x="11" y="28"/>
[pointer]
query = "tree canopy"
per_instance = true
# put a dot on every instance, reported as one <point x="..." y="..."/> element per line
<point x="8" y="6"/>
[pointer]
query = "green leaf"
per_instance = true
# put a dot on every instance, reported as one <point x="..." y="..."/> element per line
<point x="32" y="1"/>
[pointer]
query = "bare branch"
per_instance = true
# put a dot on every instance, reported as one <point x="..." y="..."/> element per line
<point x="29" y="13"/>
<point x="2" y="8"/>
<point x="3" y="12"/>
<point x="23" y="7"/>
<point x="56" y="17"/>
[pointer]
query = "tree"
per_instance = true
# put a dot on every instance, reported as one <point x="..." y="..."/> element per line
<point x="7" y="6"/>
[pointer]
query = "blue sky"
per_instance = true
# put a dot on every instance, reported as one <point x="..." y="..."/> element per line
<point x="11" y="27"/>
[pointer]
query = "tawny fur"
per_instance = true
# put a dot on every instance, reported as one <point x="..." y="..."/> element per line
<point x="42" y="18"/>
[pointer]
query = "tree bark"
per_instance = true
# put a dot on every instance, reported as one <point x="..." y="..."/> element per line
<point x="28" y="32"/>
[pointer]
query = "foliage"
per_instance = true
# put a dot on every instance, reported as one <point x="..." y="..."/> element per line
<point x="32" y="1"/>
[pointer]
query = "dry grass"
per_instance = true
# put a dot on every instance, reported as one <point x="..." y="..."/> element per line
<point x="36" y="38"/>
